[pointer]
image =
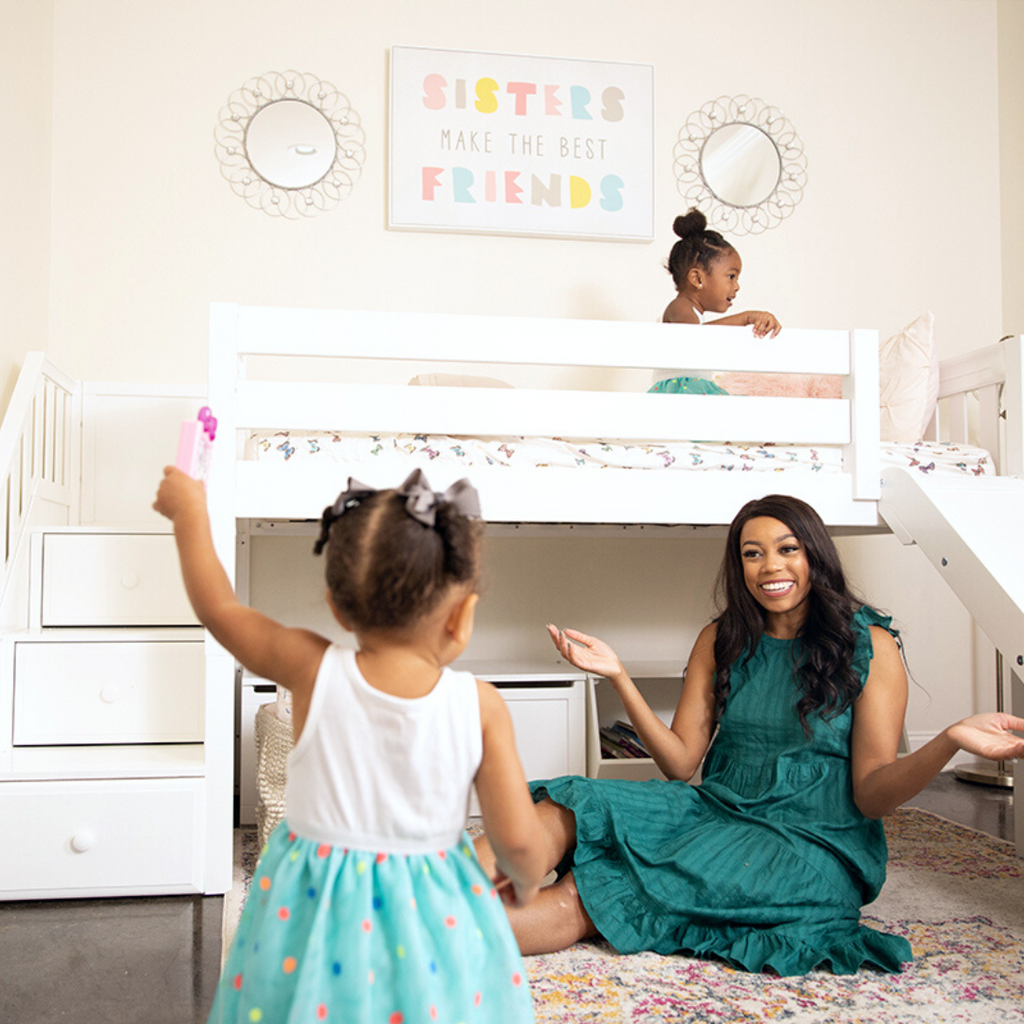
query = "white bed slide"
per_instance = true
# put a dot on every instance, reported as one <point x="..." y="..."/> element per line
<point x="970" y="531"/>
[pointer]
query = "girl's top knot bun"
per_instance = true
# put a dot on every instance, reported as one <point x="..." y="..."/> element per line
<point x="691" y="223"/>
<point x="696" y="246"/>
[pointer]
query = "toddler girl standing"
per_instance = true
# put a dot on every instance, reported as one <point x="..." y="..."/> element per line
<point x="706" y="271"/>
<point x="368" y="903"/>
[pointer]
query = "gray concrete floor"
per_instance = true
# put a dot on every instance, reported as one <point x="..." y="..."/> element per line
<point x="985" y="808"/>
<point x="136" y="960"/>
<point x="156" y="960"/>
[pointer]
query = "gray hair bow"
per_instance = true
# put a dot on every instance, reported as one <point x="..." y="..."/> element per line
<point x="421" y="503"/>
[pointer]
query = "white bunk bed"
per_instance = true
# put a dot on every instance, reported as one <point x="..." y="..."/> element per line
<point x="262" y="401"/>
<point x="175" y="798"/>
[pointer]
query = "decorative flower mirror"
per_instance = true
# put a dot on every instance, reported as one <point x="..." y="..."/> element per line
<point x="742" y="163"/>
<point x="290" y="144"/>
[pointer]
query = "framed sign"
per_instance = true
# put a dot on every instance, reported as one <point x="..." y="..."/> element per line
<point x="506" y="144"/>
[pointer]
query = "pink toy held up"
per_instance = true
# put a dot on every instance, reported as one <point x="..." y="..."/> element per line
<point x="195" y="444"/>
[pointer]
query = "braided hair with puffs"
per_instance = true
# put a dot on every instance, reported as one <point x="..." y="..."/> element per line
<point x="386" y="570"/>
<point x="697" y="246"/>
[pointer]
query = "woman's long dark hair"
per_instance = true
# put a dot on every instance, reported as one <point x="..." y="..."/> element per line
<point x="825" y="667"/>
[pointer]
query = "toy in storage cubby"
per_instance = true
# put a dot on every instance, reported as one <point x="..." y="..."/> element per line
<point x="660" y="683"/>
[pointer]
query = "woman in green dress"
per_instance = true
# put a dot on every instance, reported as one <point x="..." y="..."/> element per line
<point x="796" y="693"/>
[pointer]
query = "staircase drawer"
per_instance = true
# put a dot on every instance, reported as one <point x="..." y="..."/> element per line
<point x="104" y="838"/>
<point x="108" y="692"/>
<point x="112" y="579"/>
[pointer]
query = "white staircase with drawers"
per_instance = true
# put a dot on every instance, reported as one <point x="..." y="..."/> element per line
<point x="115" y="767"/>
<point x="102" y="723"/>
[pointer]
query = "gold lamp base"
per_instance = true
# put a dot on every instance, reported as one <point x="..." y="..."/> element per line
<point x="988" y="774"/>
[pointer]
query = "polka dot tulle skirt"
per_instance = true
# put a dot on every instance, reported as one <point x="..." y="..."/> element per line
<point x="335" y="934"/>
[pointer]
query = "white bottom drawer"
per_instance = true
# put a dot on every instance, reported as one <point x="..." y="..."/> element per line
<point x="109" y="838"/>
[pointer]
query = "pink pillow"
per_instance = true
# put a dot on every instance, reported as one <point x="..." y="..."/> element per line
<point x="782" y="385"/>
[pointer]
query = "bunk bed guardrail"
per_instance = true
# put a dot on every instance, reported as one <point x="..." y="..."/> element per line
<point x="262" y="491"/>
<point x="994" y="376"/>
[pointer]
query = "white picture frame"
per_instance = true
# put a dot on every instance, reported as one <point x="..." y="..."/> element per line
<point x="518" y="145"/>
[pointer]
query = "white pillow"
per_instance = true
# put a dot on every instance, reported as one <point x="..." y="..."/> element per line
<point x="456" y="380"/>
<point x="908" y="372"/>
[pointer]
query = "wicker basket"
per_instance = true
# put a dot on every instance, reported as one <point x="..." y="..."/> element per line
<point x="273" y="742"/>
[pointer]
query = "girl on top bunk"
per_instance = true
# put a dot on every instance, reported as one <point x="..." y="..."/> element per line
<point x="706" y="271"/>
<point x="768" y="862"/>
<point x="368" y="903"/>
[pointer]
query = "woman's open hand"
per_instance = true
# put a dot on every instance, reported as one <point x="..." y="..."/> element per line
<point x="990" y="736"/>
<point x="586" y="652"/>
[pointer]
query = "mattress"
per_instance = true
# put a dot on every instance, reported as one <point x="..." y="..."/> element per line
<point x="540" y="453"/>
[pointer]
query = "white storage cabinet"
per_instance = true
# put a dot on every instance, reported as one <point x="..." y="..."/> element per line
<point x="547" y="705"/>
<point x="548" y="709"/>
<point x="101" y="723"/>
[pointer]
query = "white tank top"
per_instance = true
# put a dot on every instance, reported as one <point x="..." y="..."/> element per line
<point x="377" y="772"/>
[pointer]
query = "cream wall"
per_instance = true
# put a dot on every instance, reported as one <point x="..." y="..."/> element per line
<point x="1011" y="160"/>
<point x="650" y="596"/>
<point x="897" y="103"/>
<point x="147" y="232"/>
<point x="26" y="46"/>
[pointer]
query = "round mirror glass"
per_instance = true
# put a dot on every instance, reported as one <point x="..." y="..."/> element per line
<point x="290" y="144"/>
<point x="740" y="164"/>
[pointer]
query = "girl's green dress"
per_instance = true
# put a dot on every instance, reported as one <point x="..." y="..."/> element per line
<point x="767" y="863"/>
<point x="686" y="386"/>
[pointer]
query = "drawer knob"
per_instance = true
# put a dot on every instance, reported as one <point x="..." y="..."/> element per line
<point x="109" y="694"/>
<point x="83" y="840"/>
<point x="129" y="580"/>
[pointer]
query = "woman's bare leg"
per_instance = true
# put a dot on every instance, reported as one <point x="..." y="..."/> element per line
<point x="553" y="921"/>
<point x="556" y="918"/>
<point x="559" y="825"/>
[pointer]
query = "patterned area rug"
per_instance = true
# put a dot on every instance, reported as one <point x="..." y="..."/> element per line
<point x="956" y="894"/>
